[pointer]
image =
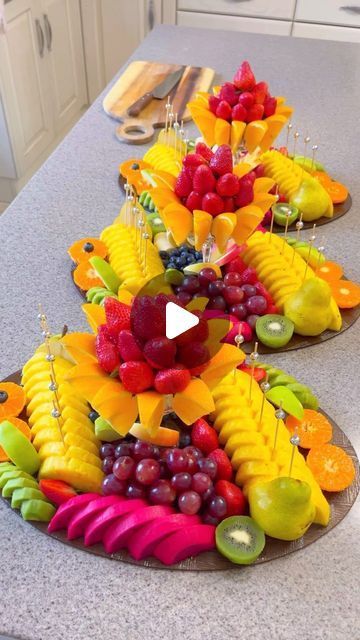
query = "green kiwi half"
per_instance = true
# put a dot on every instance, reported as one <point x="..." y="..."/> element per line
<point x="274" y="330"/>
<point x="281" y="209"/>
<point x="240" y="539"/>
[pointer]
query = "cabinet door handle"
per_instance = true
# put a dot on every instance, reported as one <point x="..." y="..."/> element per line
<point x="40" y="36"/>
<point x="151" y="15"/>
<point x="351" y="9"/>
<point x="48" y="32"/>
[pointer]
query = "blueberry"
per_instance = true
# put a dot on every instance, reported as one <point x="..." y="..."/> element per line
<point x="198" y="255"/>
<point x="184" y="247"/>
<point x="93" y="415"/>
<point x="189" y="260"/>
<point x="88" y="247"/>
<point x="164" y="255"/>
<point x="135" y="166"/>
<point x="175" y="253"/>
<point x="184" y="440"/>
<point x="3" y="396"/>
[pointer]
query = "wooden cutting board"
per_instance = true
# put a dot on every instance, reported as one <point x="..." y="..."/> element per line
<point x="142" y="76"/>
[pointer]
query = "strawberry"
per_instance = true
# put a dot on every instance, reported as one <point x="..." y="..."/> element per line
<point x="259" y="171"/>
<point x="228" y="93"/>
<point x="106" y="335"/>
<point x="204" y="437"/>
<point x="117" y="315"/>
<point x="244" y="78"/>
<point x="227" y="185"/>
<point x="203" y="180"/>
<point x="222" y="160"/>
<point x="245" y="195"/>
<point x="193" y="201"/>
<point x="246" y="99"/>
<point x="239" y="113"/>
<point x="258" y="374"/>
<point x="272" y="308"/>
<point x="106" y="353"/>
<point x="212" y="203"/>
<point x="245" y="330"/>
<point x="56" y="491"/>
<point x="199" y="333"/>
<point x="260" y="91"/>
<point x="249" y="177"/>
<point x="229" y="205"/>
<point x="255" y="112"/>
<point x="128" y="346"/>
<point x="136" y="376"/>
<point x="191" y="162"/>
<point x="269" y="106"/>
<point x="224" y="468"/>
<point x="183" y="184"/>
<point x="203" y="150"/>
<point x="237" y="265"/>
<point x="160" y="352"/>
<point x="234" y="497"/>
<point x="193" y="354"/>
<point x="249" y="276"/>
<point x="174" y="380"/>
<point x="214" y="102"/>
<point x="147" y="319"/>
<point x="223" y="110"/>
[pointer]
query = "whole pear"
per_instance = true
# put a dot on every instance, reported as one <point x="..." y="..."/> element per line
<point x="282" y="507"/>
<point x="311" y="199"/>
<point x="309" y="308"/>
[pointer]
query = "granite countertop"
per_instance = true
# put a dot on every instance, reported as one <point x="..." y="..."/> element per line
<point x="50" y="591"/>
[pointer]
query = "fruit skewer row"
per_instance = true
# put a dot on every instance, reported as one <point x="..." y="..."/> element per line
<point x="250" y="442"/>
<point x="69" y="453"/>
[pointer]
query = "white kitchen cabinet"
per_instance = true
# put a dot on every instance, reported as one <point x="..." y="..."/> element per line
<point x="325" y="32"/>
<point x="339" y="12"/>
<point x="256" y="8"/>
<point x="233" y="23"/>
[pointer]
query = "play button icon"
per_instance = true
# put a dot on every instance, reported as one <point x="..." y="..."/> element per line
<point x="178" y="320"/>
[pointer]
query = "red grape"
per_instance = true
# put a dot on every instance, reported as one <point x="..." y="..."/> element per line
<point x="184" y="297"/>
<point x="162" y="492"/>
<point x="134" y="490"/>
<point x="201" y="482"/>
<point x="248" y="290"/>
<point x="233" y="278"/>
<point x="207" y="275"/>
<point x="217" y="507"/>
<point x="177" y="461"/>
<point x="256" y="304"/>
<point x="239" y="310"/>
<point x="190" y="284"/>
<point x="142" y="450"/>
<point x="209" y="519"/>
<point x="249" y="276"/>
<point x="181" y="481"/>
<point x="216" y="288"/>
<point x="194" y="451"/>
<point x="124" y="449"/>
<point x="123" y="467"/>
<point x="206" y="465"/>
<point x="106" y="450"/>
<point x="217" y="303"/>
<point x="107" y="464"/>
<point x="191" y="466"/>
<point x="233" y="295"/>
<point x="189" y="502"/>
<point x="147" y="471"/>
<point x="251" y="320"/>
<point x="111" y="485"/>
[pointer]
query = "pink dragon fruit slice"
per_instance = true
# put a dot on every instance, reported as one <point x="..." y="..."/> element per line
<point x="185" y="543"/>
<point x="95" y="529"/>
<point x="118" y="534"/>
<point x="78" y="522"/>
<point x="68" y="509"/>
<point x="143" y="542"/>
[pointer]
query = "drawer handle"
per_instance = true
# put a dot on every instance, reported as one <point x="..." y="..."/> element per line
<point x="48" y="32"/>
<point x="41" y="39"/>
<point x="351" y="9"/>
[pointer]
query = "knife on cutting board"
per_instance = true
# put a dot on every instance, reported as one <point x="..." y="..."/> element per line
<point x="159" y="92"/>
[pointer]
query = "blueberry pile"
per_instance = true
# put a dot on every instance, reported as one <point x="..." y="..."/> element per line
<point x="179" y="257"/>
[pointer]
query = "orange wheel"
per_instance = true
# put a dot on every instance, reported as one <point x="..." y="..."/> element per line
<point x="85" y="248"/>
<point x="12" y="399"/>
<point x="322" y="177"/>
<point x="131" y="171"/>
<point x="330" y="271"/>
<point x="346" y="293"/>
<point x="86" y="277"/>
<point x="337" y="191"/>
<point x="331" y="466"/>
<point x="22" y="426"/>
<point x="314" y="429"/>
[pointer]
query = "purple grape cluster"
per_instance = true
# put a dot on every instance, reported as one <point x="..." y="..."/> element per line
<point x="163" y="476"/>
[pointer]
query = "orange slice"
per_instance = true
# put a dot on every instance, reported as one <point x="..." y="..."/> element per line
<point x="322" y="177"/>
<point x="86" y="248"/>
<point x="22" y="426"/>
<point x="12" y="399"/>
<point x="314" y="429"/>
<point x="86" y="277"/>
<point x="346" y="293"/>
<point x="337" y="191"/>
<point x="330" y="271"/>
<point x="179" y="220"/>
<point x="331" y="466"/>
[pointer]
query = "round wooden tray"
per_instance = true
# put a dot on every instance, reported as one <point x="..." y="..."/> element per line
<point x="340" y="503"/>
<point x="349" y="316"/>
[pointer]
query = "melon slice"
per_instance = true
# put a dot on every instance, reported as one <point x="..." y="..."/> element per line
<point x="96" y="528"/>
<point x="186" y="543"/>
<point x="143" y="542"/>
<point x="81" y="518"/>
<point x="67" y="510"/>
<point x="117" y="535"/>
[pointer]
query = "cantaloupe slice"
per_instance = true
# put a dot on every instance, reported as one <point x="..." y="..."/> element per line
<point x="116" y="405"/>
<point x="202" y="226"/>
<point x="179" y="220"/>
<point x="151" y="410"/>
<point x="194" y="402"/>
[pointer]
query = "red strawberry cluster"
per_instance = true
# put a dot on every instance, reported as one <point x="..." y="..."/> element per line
<point x="133" y="341"/>
<point x="207" y="181"/>
<point x="243" y="99"/>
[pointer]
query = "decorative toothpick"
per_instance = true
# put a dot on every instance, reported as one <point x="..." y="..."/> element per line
<point x="314" y="150"/>
<point x="296" y="137"/>
<point x="273" y="215"/>
<point x="176" y="134"/>
<point x="141" y="225"/>
<point x="239" y="339"/>
<point x="295" y="441"/>
<point x="303" y="164"/>
<point x="287" y="218"/>
<point x="129" y="203"/>
<point x="265" y="387"/>
<point x="289" y="127"/>
<point x="167" y="109"/>
<point x="279" y="415"/>
<point x="299" y="226"/>
<point x="320" y="250"/>
<point x="254" y="356"/>
<point x="146" y="237"/>
<point x="311" y="242"/>
<point x="171" y="120"/>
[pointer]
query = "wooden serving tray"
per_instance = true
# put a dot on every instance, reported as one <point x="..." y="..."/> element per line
<point x="340" y="503"/>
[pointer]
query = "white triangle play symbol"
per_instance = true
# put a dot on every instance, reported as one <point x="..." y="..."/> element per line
<point x="178" y="320"/>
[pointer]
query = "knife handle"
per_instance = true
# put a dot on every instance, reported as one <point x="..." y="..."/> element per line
<point x="140" y="104"/>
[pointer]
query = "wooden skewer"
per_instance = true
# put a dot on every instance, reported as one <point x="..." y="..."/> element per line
<point x="265" y="386"/>
<point x="254" y="356"/>
<point x="295" y="441"/>
<point x="279" y="415"/>
<point x="306" y="142"/>
<point x="311" y="242"/>
<point x="167" y="109"/>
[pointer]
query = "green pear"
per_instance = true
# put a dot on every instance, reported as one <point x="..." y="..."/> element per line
<point x="309" y="308"/>
<point x="311" y="199"/>
<point x="282" y="507"/>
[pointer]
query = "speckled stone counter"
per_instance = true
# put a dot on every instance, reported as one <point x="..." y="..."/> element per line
<point x="49" y="591"/>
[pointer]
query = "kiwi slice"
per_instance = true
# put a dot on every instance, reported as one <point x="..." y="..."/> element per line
<point x="274" y="330"/>
<point x="280" y="210"/>
<point x="240" y="539"/>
